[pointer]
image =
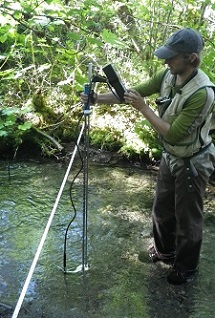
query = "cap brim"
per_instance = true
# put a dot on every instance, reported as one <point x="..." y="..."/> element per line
<point x="165" y="53"/>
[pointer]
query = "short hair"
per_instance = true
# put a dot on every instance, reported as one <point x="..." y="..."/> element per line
<point x="194" y="63"/>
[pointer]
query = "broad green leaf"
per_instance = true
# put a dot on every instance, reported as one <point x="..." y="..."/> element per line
<point x="112" y="38"/>
<point x="10" y="111"/>
<point x="25" y="126"/>
<point x="3" y="38"/>
<point x="94" y="41"/>
<point x="73" y="36"/>
<point x="1" y="124"/>
<point x="10" y="121"/>
<point x="3" y="133"/>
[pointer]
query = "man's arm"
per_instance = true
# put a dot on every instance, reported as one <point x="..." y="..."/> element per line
<point x="105" y="98"/>
<point x="180" y="127"/>
<point x="146" y="88"/>
<point x="190" y="117"/>
<point x="136" y="100"/>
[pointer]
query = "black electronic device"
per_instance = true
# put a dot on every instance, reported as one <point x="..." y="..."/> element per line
<point x="114" y="80"/>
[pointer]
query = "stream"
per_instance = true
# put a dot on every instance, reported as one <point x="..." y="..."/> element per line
<point x="120" y="281"/>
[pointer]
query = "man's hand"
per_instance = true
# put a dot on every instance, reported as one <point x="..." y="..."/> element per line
<point x="93" y="99"/>
<point x="135" y="99"/>
<point x="105" y="98"/>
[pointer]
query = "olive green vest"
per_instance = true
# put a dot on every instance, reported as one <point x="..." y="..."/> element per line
<point x="198" y="134"/>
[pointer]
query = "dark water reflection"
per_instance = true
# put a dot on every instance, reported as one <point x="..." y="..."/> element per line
<point x="117" y="284"/>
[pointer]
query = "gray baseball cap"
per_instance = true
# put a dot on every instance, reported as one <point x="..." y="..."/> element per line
<point x="183" y="41"/>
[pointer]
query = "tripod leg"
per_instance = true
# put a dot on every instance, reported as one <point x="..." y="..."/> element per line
<point x="85" y="196"/>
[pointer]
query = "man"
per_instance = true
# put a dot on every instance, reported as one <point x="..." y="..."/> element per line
<point x="185" y="109"/>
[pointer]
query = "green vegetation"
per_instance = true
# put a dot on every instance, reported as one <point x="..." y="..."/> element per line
<point x="45" y="50"/>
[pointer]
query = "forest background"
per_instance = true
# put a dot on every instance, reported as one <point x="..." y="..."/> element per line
<point x="46" y="48"/>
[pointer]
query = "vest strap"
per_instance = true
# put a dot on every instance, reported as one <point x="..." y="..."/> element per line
<point x="191" y="172"/>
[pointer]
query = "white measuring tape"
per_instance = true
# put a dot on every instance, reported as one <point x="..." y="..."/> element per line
<point x="42" y="241"/>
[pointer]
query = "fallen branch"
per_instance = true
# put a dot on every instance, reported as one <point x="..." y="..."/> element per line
<point x="53" y="141"/>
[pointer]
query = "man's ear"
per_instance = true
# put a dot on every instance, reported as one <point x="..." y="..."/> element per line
<point x="193" y="57"/>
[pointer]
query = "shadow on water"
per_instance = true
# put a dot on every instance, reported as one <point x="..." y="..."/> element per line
<point x="117" y="284"/>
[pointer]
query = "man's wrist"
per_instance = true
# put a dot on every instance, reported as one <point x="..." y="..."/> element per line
<point x="143" y="109"/>
<point x="106" y="98"/>
<point x="95" y="98"/>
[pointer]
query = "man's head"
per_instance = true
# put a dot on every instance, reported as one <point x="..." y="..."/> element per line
<point x="185" y="41"/>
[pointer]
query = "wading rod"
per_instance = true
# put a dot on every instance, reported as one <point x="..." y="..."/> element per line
<point x="85" y="195"/>
<point x="88" y="90"/>
<point x="42" y="241"/>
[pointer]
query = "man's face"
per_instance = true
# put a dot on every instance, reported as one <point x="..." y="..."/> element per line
<point x="178" y="65"/>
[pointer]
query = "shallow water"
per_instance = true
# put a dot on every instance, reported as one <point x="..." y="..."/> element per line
<point x="117" y="284"/>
